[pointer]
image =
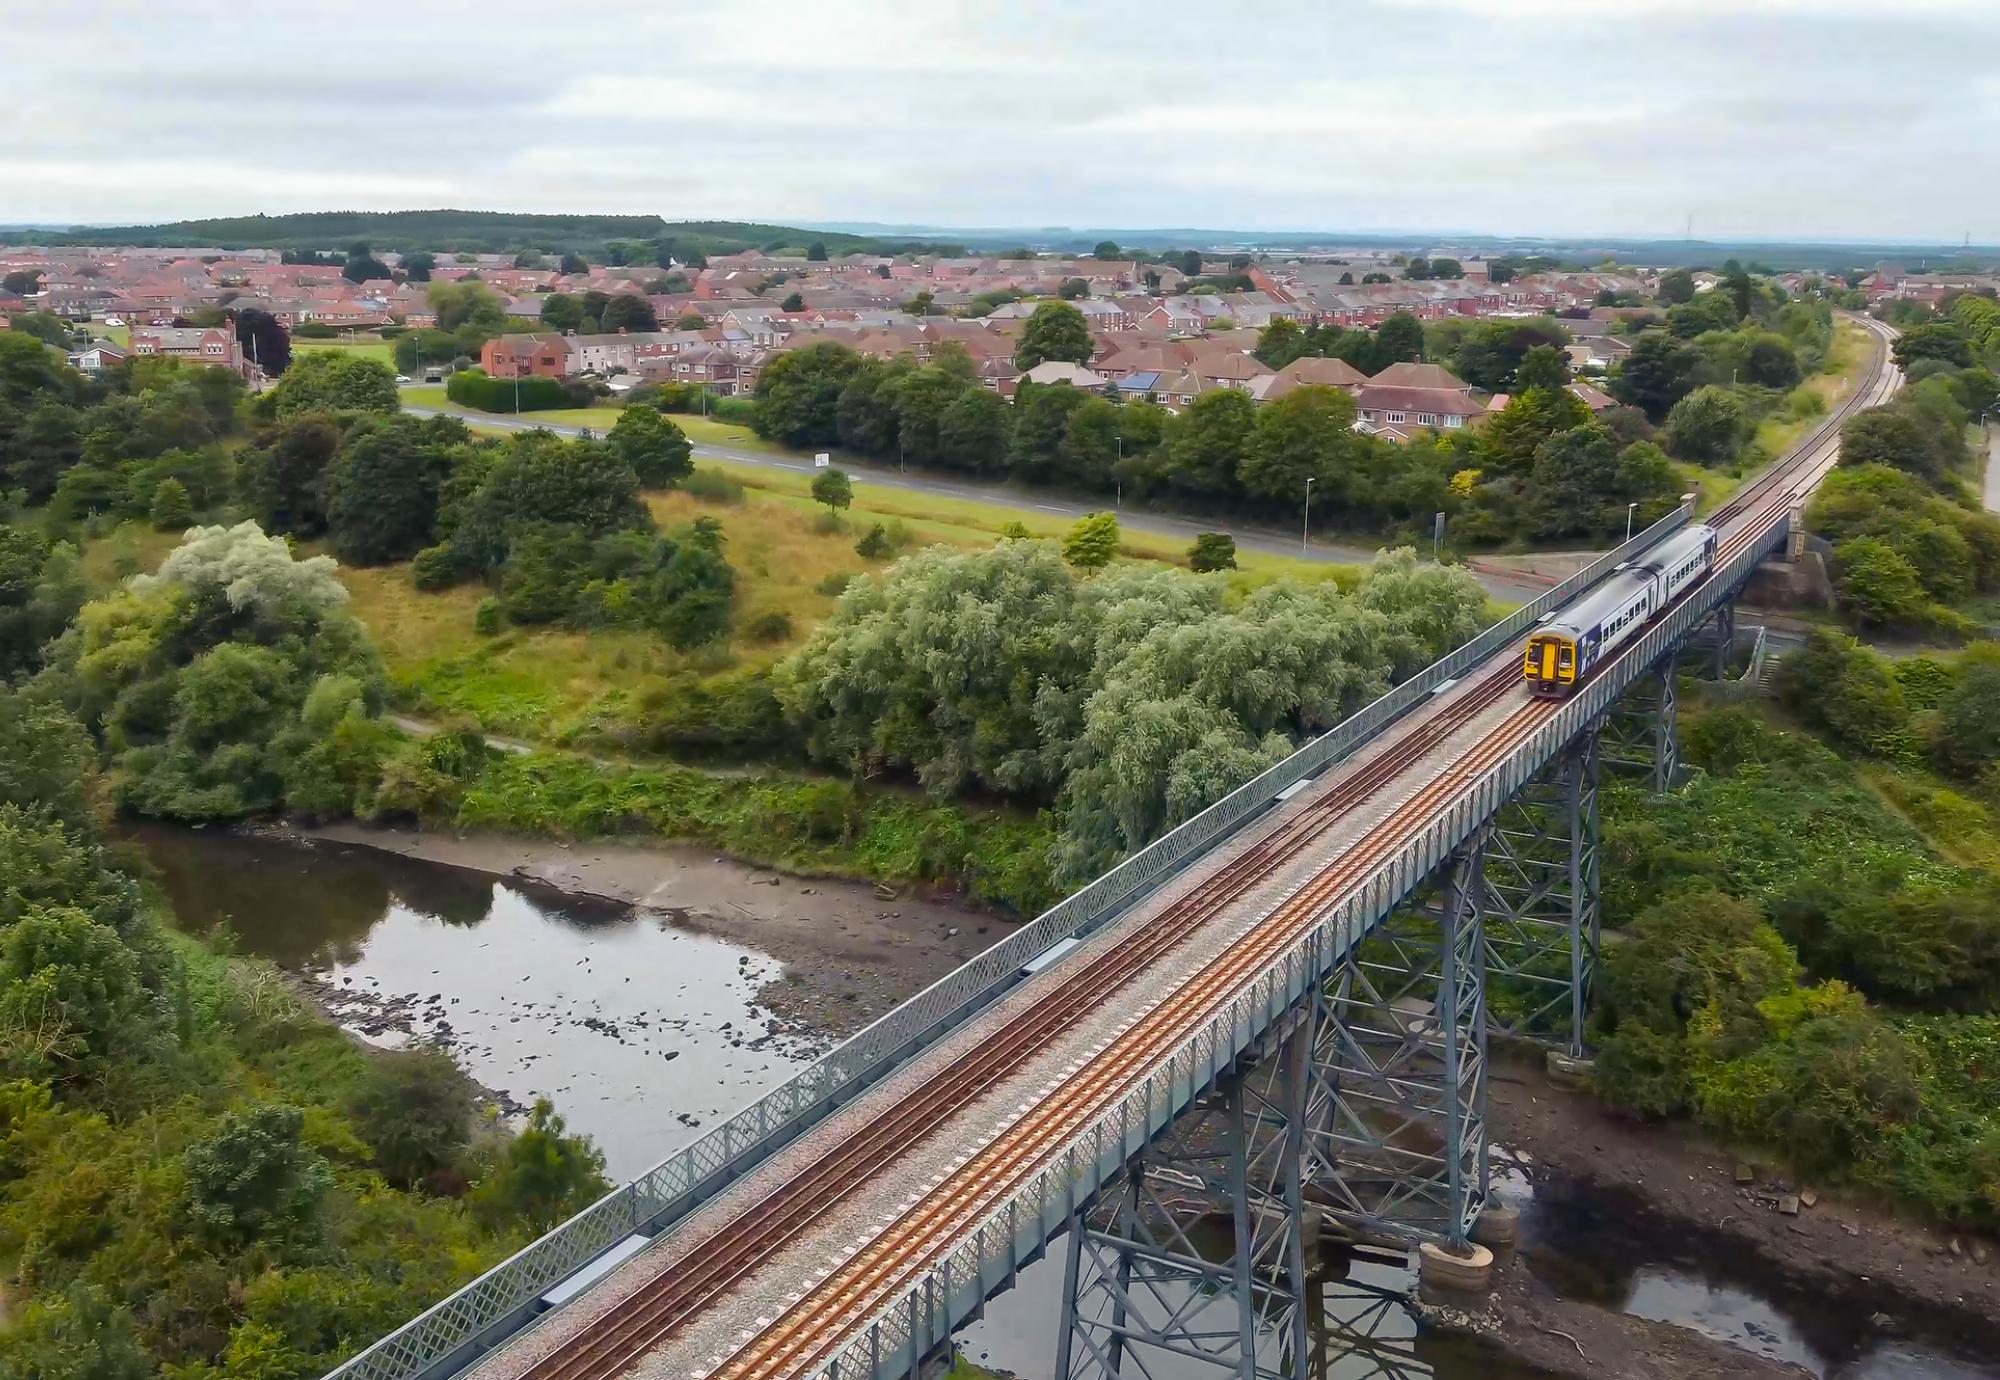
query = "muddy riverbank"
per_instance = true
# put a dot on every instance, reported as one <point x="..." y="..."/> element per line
<point x="850" y="951"/>
<point x="1854" y="1271"/>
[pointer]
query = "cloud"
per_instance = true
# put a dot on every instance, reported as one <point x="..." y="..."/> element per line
<point x="1786" y="118"/>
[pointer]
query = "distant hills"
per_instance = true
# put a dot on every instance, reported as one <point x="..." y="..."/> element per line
<point x="640" y="238"/>
<point x="488" y="232"/>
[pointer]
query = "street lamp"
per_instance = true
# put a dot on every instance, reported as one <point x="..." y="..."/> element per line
<point x="1629" y="508"/>
<point x="1305" y="521"/>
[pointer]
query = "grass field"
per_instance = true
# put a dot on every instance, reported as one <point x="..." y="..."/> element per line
<point x="1842" y="374"/>
<point x="367" y="347"/>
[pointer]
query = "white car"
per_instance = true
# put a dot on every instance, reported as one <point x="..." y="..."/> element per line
<point x="402" y="378"/>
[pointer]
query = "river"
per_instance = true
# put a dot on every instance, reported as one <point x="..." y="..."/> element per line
<point x="641" y="1029"/>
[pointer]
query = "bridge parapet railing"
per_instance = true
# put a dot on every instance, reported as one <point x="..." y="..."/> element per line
<point x="489" y="1307"/>
<point x="926" y="1311"/>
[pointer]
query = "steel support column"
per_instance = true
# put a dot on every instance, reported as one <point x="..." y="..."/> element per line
<point x="1405" y="1057"/>
<point x="1725" y="637"/>
<point x="1151" y="1270"/>
<point x="1541" y="921"/>
<point x="1640" y="733"/>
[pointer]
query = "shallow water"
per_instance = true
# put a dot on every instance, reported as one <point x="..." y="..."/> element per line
<point x="640" y="1031"/>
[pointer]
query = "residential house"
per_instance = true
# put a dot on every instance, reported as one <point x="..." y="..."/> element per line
<point x="526" y="356"/>
<point x="212" y="345"/>
<point x="1415" y="395"/>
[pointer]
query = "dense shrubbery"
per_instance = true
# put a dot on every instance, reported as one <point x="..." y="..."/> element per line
<point x="1783" y="931"/>
<point x="233" y="681"/>
<point x="1911" y="542"/>
<point x="201" y="1177"/>
<point x="1131" y="700"/>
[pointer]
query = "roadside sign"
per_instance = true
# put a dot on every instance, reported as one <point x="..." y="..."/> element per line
<point x="822" y="460"/>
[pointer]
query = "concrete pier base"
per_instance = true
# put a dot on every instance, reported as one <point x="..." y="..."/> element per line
<point x="1438" y="1268"/>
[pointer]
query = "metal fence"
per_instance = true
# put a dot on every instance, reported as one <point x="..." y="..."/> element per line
<point x="1013" y="1232"/>
<point x="451" y="1333"/>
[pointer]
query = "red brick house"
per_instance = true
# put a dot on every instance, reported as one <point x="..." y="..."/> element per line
<point x="526" y="356"/>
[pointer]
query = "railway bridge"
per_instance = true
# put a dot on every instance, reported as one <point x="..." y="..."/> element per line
<point x="1274" y="1018"/>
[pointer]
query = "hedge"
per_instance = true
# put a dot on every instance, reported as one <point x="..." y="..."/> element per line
<point x="475" y="388"/>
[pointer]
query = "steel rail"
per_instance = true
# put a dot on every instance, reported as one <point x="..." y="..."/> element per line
<point x="613" y="1341"/>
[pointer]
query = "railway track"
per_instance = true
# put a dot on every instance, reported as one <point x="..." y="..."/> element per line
<point x="610" y="1345"/>
<point x="814" y="1327"/>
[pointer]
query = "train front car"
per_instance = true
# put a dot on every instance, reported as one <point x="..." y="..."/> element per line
<point x="1551" y="664"/>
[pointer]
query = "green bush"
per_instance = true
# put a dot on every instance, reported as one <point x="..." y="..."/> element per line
<point x="486" y="618"/>
<point x="437" y="567"/>
<point x="713" y="486"/>
<point x="773" y="625"/>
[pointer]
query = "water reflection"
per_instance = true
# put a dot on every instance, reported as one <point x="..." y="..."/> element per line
<point x="642" y="1032"/>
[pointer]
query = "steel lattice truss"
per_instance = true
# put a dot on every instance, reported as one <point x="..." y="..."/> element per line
<point x="1541" y="921"/>
<point x="1640" y="733"/>
<point x="1142" y="1297"/>
<point x="1406" y="1052"/>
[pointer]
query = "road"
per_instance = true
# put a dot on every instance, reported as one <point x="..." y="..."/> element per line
<point x="1261" y="540"/>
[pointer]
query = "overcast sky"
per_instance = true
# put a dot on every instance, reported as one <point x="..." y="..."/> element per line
<point x="1787" y="118"/>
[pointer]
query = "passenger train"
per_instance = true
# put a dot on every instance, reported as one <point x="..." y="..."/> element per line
<point x="1577" y="636"/>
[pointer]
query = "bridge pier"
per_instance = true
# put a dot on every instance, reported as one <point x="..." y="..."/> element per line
<point x="1541" y="922"/>
<point x="1641" y="733"/>
<point x="1405" y="1056"/>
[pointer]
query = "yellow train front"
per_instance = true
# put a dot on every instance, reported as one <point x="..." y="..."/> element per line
<point x="1550" y="665"/>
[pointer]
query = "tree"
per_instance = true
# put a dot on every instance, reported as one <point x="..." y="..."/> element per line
<point x="833" y="488"/>
<point x="1397" y="339"/>
<point x="1892" y="435"/>
<point x="1508" y="443"/>
<point x="1346" y="279"/>
<point x="282" y="474"/>
<point x="545" y="1175"/>
<point x="48" y="444"/>
<point x="573" y="265"/>
<point x="1543" y="366"/>
<point x="1877" y="584"/>
<point x="171" y="511"/>
<point x="1072" y="289"/>
<point x="1055" y="331"/>
<point x="334" y="381"/>
<point x="921" y="303"/>
<point x="627" y="312"/>
<point x="382" y="493"/>
<point x="562" y="312"/>
<point x="798" y="394"/>
<point x="1212" y="551"/>
<point x="1709" y="426"/>
<point x="265" y="342"/>
<point x="1307" y="434"/>
<point x="1281" y="342"/>
<point x="414" y="1108"/>
<point x="1499" y="271"/>
<point x="1770" y="362"/>
<point x="467" y="303"/>
<point x="656" y="449"/>
<point x="254" y="1179"/>
<point x="25" y="282"/>
<point x="1091" y="542"/>
<point x="1205" y="453"/>
<point x="1106" y="249"/>
<point x="1943" y="340"/>
<point x="362" y="266"/>
<point x="1417" y="268"/>
<point x="1657" y="372"/>
<point x="1447" y="268"/>
<point x="417" y="267"/>
<point x="793" y="302"/>
<point x="544" y="480"/>
<point x="1676" y="286"/>
<point x="816" y="252"/>
<point x="973" y="432"/>
<point x="1191" y="263"/>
